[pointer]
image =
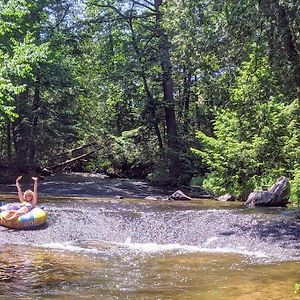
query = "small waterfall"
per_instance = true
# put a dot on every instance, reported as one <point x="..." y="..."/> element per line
<point x="140" y="226"/>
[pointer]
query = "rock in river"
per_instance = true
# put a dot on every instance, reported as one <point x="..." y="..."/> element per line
<point x="226" y="197"/>
<point x="179" y="195"/>
<point x="277" y="195"/>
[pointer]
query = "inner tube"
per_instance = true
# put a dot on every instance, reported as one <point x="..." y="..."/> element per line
<point x="34" y="218"/>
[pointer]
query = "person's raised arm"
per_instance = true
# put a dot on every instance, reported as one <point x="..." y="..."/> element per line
<point x="35" y="188"/>
<point x="20" y="194"/>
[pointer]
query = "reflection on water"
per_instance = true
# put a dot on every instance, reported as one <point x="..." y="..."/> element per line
<point x="26" y="272"/>
<point x="99" y="270"/>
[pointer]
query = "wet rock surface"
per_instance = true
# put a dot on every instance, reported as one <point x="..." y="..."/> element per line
<point x="268" y="234"/>
<point x="270" y="237"/>
<point x="87" y="185"/>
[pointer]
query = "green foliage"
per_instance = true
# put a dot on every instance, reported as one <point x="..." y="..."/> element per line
<point x="18" y="59"/>
<point x="130" y="155"/>
<point x="241" y="159"/>
<point x="197" y="181"/>
<point x="160" y="175"/>
<point x="65" y="81"/>
<point x="256" y="138"/>
<point x="37" y="92"/>
<point x="295" y="187"/>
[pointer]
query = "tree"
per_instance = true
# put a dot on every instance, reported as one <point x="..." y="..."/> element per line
<point x="256" y="138"/>
<point x="146" y="44"/>
<point x="34" y="74"/>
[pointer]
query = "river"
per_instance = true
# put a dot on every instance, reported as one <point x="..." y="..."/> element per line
<point x="95" y="246"/>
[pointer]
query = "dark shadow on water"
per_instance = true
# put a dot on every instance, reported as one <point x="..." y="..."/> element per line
<point x="275" y="229"/>
<point x="227" y="233"/>
<point x="36" y="228"/>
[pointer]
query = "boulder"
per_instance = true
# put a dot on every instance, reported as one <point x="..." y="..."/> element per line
<point x="277" y="195"/>
<point x="281" y="190"/>
<point x="179" y="195"/>
<point x="226" y="197"/>
<point x="261" y="198"/>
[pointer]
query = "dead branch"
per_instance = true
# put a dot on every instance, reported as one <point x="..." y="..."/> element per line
<point x="68" y="152"/>
<point x="70" y="161"/>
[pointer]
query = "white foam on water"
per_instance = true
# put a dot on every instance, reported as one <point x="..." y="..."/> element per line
<point x="68" y="247"/>
<point x="156" y="248"/>
<point x="210" y="240"/>
<point x="153" y="248"/>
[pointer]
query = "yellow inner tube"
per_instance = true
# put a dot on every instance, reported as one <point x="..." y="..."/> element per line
<point x="35" y="217"/>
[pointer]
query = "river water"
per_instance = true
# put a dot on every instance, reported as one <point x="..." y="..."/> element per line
<point x="97" y="247"/>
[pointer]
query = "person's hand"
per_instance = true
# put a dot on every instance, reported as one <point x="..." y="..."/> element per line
<point x="18" y="179"/>
<point x="35" y="178"/>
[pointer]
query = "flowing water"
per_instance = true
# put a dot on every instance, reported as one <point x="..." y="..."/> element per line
<point x="105" y="248"/>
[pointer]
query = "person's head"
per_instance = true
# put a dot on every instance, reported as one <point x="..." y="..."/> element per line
<point x="28" y="195"/>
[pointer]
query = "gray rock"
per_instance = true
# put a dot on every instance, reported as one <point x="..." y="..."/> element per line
<point x="277" y="195"/>
<point x="226" y="197"/>
<point x="281" y="190"/>
<point x="179" y="195"/>
<point x="261" y="198"/>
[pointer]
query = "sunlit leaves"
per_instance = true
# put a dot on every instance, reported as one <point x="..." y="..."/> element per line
<point x="256" y="137"/>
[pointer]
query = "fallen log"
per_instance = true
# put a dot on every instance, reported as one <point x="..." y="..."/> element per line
<point x="70" y="161"/>
<point x="71" y="151"/>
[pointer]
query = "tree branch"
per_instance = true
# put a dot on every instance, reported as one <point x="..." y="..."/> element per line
<point x="149" y="2"/>
<point x="144" y="5"/>
<point x="124" y="16"/>
<point x="61" y="19"/>
<point x="72" y="160"/>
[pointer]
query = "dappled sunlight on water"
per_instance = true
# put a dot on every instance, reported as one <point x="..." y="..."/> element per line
<point x="113" y="272"/>
<point x="27" y="271"/>
<point x="108" y="248"/>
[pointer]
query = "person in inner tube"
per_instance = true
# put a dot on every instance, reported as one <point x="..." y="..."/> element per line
<point x="28" y="201"/>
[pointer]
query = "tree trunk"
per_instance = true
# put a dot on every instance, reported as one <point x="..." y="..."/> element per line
<point x="279" y="15"/>
<point x="168" y="92"/>
<point x="289" y="45"/>
<point x="33" y="134"/>
<point x="70" y="161"/>
<point x="152" y="106"/>
<point x="268" y="11"/>
<point x="8" y="141"/>
<point x="271" y="43"/>
<point x="154" y="117"/>
<point x="186" y="95"/>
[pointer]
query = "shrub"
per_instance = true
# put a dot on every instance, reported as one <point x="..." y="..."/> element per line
<point x="255" y="139"/>
<point x="295" y="188"/>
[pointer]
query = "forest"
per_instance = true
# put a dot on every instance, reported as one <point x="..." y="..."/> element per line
<point x="179" y="92"/>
